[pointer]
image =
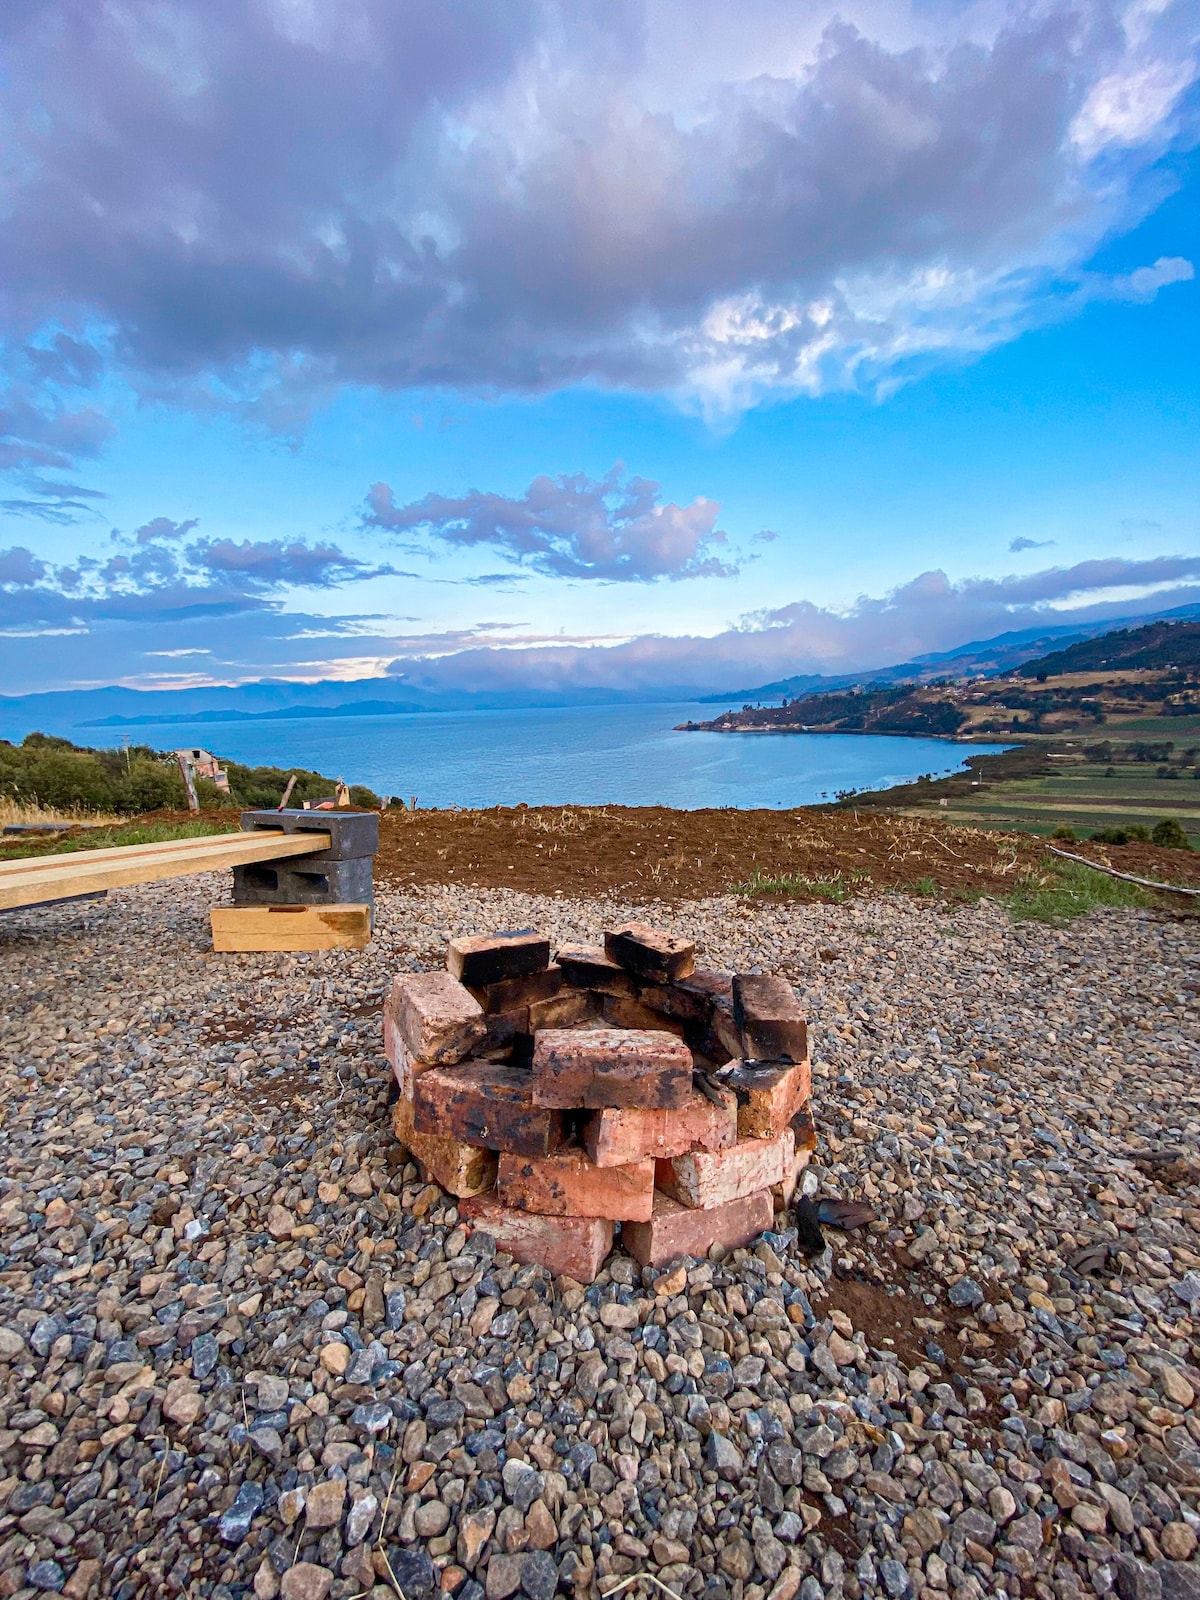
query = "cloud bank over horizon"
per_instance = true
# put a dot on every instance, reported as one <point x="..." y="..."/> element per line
<point x="230" y="613"/>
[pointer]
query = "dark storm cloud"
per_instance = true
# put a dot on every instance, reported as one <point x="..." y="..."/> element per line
<point x="447" y="192"/>
<point x="612" y="528"/>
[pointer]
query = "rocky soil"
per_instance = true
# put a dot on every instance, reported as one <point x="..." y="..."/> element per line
<point x="244" y="1350"/>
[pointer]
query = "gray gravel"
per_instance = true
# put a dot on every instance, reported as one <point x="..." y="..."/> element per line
<point x="244" y="1351"/>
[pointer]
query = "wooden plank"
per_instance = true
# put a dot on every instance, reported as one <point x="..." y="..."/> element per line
<point x="279" y="928"/>
<point x="198" y="844"/>
<point x="24" y="883"/>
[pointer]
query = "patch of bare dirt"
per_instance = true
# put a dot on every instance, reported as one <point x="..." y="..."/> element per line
<point x="653" y="852"/>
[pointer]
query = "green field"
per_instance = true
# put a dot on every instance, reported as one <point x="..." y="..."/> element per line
<point x="1086" y="795"/>
<point x="1081" y="796"/>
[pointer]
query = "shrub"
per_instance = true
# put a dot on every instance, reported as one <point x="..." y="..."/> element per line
<point x="1131" y="833"/>
<point x="1066" y="835"/>
<point x="1170" y="835"/>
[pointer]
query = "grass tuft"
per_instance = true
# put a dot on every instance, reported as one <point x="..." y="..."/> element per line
<point x="1069" y="890"/>
<point x="837" y="887"/>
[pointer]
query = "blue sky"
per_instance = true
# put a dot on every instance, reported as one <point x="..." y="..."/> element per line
<point x="641" y="349"/>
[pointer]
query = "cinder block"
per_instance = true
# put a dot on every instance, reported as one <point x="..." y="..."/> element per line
<point x="435" y="1016"/>
<point x="768" y="1096"/>
<point x="567" y="1184"/>
<point x="675" y="1230"/>
<point x="512" y="993"/>
<point x="591" y="1068"/>
<point x="304" y="881"/>
<point x="484" y="1104"/>
<point x="564" y="1010"/>
<point x="573" y="1247"/>
<point x="615" y="1138"/>
<point x="705" y="1178"/>
<point x="650" y="952"/>
<point x="461" y="1169"/>
<point x="352" y="834"/>
<point x="622" y="1012"/>
<point x="768" y="1017"/>
<point x="489" y="958"/>
<point x="690" y="999"/>
<point x="585" y="966"/>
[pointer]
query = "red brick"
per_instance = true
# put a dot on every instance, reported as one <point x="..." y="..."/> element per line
<point x="690" y="999"/>
<point x="461" y="1169"/>
<point x="805" y="1129"/>
<point x="622" y="1012"/>
<point x="505" y="1030"/>
<point x="613" y="1138"/>
<point x="585" y="966"/>
<point x="650" y="952"/>
<point x="768" y="1096"/>
<point x="675" y="1230"/>
<point x="567" y="1184"/>
<point x="725" y="1031"/>
<point x="404" y="1066"/>
<point x="488" y="958"/>
<point x="590" y="1068"/>
<point x="512" y="993"/>
<point x="565" y="1010"/>
<point x="437" y="1020"/>
<point x="706" y="1178"/>
<point x="784" y="1193"/>
<point x="769" y="1019"/>
<point x="484" y="1104"/>
<point x="573" y="1247"/>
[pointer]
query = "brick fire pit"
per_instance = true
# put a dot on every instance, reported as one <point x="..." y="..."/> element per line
<point x="611" y="1087"/>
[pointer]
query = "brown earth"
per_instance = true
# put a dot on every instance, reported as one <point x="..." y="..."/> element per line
<point x="653" y="852"/>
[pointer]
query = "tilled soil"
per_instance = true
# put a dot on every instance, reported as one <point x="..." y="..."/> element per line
<point x="244" y="1350"/>
<point x="652" y="851"/>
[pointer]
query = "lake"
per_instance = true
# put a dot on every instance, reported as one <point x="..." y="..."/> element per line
<point x="594" y="755"/>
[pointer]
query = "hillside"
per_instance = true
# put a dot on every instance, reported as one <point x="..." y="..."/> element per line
<point x="1158" y="645"/>
<point x="875" y="709"/>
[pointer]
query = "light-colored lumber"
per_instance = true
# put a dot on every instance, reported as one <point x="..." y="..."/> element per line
<point x="270" y="928"/>
<point x="1126" y="877"/>
<point x="29" y="882"/>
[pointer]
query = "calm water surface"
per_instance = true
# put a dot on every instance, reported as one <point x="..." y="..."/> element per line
<point x="606" y="755"/>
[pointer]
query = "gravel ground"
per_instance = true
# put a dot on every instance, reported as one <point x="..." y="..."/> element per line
<point x="244" y="1351"/>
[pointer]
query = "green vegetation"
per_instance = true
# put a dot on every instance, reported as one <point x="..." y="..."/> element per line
<point x="929" y="711"/>
<point x="1159" y="644"/>
<point x="1169" y="835"/>
<point x="53" y="773"/>
<point x="837" y="887"/>
<point x="1068" y="889"/>
<point x="104" y="838"/>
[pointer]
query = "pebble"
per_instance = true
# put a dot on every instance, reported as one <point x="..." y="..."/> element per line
<point x="245" y="1345"/>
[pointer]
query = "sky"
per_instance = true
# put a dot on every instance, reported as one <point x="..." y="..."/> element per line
<point x="642" y="345"/>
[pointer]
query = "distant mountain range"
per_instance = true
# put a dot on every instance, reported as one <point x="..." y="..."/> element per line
<point x="986" y="657"/>
<point x="68" y="710"/>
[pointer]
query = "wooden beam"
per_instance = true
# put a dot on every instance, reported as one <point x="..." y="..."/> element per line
<point x="280" y="928"/>
<point x="30" y="882"/>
